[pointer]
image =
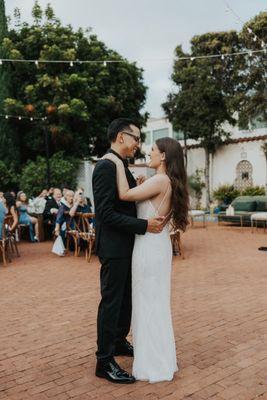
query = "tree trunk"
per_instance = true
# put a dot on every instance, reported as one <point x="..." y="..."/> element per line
<point x="185" y="150"/>
<point x="207" y="177"/>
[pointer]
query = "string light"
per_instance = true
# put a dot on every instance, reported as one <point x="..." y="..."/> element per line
<point x="1" y="62"/>
<point x="21" y="117"/>
<point x="255" y="38"/>
<point x="71" y="63"/>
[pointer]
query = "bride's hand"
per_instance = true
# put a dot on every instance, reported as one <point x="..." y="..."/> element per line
<point x="140" y="179"/>
<point x="113" y="158"/>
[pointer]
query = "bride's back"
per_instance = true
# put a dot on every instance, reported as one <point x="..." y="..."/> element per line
<point x="162" y="202"/>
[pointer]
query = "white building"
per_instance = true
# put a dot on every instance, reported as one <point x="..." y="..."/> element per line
<point x="240" y="161"/>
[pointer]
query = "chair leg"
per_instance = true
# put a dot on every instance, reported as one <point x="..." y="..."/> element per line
<point x="90" y="250"/>
<point x="67" y="243"/>
<point x="75" y="247"/>
<point x="16" y="248"/>
<point x="180" y="247"/>
<point x="4" y="255"/>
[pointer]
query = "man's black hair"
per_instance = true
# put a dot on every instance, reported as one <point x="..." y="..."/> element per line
<point x="118" y="125"/>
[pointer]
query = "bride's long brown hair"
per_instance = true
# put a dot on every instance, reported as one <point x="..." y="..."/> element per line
<point x="175" y="169"/>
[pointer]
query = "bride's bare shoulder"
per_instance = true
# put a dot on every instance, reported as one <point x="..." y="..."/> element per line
<point x="160" y="178"/>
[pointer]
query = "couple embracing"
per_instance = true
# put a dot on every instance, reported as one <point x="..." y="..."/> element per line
<point x="134" y="248"/>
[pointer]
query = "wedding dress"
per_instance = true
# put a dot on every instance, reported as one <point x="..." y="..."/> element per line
<point x="152" y="331"/>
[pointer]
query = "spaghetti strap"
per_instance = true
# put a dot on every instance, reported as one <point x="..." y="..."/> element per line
<point x="164" y="197"/>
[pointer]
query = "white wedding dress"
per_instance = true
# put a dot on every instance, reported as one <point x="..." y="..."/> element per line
<point x="152" y="331"/>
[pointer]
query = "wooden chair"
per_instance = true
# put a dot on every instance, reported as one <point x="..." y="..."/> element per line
<point x="73" y="233"/>
<point x="87" y="234"/>
<point x="11" y="236"/>
<point x="177" y="248"/>
<point x="4" y="245"/>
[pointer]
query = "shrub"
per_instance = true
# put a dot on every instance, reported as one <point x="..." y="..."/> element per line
<point x="196" y="185"/>
<point x="226" y="193"/>
<point x="63" y="172"/>
<point x="253" y="191"/>
<point x="7" y="177"/>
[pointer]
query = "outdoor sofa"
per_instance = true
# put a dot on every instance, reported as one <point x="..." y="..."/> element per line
<point x="245" y="206"/>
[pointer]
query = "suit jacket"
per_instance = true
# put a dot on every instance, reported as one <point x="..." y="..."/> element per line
<point x="115" y="220"/>
<point x="51" y="203"/>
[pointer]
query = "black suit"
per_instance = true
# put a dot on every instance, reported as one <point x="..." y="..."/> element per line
<point x="116" y="226"/>
<point x="48" y="217"/>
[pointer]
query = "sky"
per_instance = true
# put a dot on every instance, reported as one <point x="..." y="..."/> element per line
<point x="147" y="31"/>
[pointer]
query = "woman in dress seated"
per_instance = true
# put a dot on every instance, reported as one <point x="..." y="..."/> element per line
<point x="25" y="218"/>
<point x="63" y="215"/>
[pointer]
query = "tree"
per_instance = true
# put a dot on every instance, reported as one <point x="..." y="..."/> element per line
<point x="202" y="101"/>
<point x="251" y="96"/>
<point x="63" y="172"/>
<point x="80" y="100"/>
<point x="8" y="152"/>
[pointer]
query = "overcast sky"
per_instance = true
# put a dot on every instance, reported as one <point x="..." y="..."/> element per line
<point x="148" y="30"/>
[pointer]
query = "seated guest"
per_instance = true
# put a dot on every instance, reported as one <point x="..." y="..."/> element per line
<point x="10" y="205"/>
<point x="80" y="203"/>
<point x="25" y="218"/>
<point x="50" y="193"/>
<point x="1" y="196"/>
<point x="3" y="212"/>
<point x="63" y="217"/>
<point x="38" y="203"/>
<point x="51" y="207"/>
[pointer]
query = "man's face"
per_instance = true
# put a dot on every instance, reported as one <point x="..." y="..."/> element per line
<point x="57" y="194"/>
<point x="130" y="140"/>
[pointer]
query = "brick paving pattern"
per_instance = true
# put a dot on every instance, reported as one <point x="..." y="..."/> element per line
<point x="48" y="310"/>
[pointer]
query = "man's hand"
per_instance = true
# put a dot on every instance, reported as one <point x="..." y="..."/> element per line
<point x="140" y="179"/>
<point x="155" y="225"/>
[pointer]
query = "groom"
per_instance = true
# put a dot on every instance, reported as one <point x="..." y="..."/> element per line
<point x="116" y="226"/>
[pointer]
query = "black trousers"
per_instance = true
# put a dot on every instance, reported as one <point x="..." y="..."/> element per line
<point x="115" y="308"/>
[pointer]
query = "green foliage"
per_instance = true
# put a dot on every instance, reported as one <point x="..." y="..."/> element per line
<point x="253" y="191"/>
<point x="5" y="176"/>
<point x="196" y="185"/>
<point x="79" y="101"/>
<point x="8" y="149"/>
<point x="226" y="193"/>
<point x="3" y="20"/>
<point x="209" y="91"/>
<point x="251" y="95"/>
<point x="63" y="173"/>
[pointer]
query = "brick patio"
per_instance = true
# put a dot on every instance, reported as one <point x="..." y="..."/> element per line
<point x="219" y="300"/>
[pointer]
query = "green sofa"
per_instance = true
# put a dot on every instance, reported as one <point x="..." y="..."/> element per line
<point x="245" y="206"/>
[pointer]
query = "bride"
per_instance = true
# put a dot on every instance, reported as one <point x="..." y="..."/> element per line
<point x="163" y="194"/>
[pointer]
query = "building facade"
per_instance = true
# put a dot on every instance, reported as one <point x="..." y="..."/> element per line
<point x="239" y="161"/>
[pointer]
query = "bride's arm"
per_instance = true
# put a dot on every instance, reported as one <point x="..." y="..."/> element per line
<point x="150" y="188"/>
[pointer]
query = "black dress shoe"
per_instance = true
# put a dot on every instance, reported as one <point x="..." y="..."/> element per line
<point x="112" y="372"/>
<point x="124" y="349"/>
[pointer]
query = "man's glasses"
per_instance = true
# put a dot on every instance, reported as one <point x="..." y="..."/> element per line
<point x="136" y="138"/>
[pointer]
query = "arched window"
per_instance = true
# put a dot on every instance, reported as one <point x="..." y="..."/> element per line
<point x="243" y="175"/>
